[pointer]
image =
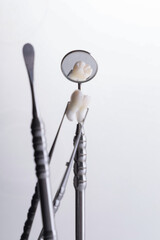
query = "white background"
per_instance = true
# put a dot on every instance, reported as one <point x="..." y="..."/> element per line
<point x="123" y="125"/>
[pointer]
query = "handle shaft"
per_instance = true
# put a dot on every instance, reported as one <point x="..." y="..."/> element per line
<point x="30" y="215"/>
<point x="35" y="198"/>
<point x="80" y="183"/>
<point x="42" y="172"/>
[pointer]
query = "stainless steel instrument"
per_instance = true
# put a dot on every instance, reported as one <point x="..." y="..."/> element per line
<point x="40" y="154"/>
<point x="80" y="167"/>
<point x="42" y="159"/>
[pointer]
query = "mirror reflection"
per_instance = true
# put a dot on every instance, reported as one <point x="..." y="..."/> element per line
<point x="79" y="66"/>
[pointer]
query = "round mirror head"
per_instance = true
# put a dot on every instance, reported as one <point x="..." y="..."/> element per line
<point x="79" y="66"/>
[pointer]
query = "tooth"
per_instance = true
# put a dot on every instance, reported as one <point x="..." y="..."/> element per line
<point x="76" y="102"/>
<point x="77" y="106"/>
<point x="82" y="111"/>
<point x="77" y="98"/>
<point x="86" y="101"/>
<point x="81" y="114"/>
<point x="71" y="112"/>
<point x="70" y="115"/>
<point x="81" y="71"/>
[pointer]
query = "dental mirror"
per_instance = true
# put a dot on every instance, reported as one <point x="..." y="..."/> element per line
<point x="79" y="66"/>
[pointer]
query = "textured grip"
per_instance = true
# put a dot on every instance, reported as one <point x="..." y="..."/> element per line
<point x="30" y="215"/>
<point x="80" y="183"/>
<point x="40" y="149"/>
<point x="80" y="167"/>
<point x="42" y="172"/>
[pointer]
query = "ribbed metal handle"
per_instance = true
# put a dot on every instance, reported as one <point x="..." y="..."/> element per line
<point x="40" y="151"/>
<point x="42" y="172"/>
<point x="80" y="183"/>
<point x="80" y="167"/>
<point x="30" y="215"/>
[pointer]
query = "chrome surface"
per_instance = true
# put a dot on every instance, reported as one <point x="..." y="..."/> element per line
<point x="80" y="183"/>
<point x="61" y="190"/>
<point x="40" y="154"/>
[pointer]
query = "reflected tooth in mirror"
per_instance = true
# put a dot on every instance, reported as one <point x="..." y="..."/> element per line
<point x="80" y="72"/>
<point x="79" y="66"/>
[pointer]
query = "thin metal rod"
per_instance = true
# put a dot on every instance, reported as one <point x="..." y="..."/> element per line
<point x="35" y="198"/>
<point x="80" y="215"/>
<point x="79" y="86"/>
<point x="61" y="190"/>
<point x="80" y="183"/>
<point x="40" y="154"/>
<point x="57" y="134"/>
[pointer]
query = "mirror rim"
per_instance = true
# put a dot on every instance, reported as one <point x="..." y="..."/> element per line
<point x="87" y="80"/>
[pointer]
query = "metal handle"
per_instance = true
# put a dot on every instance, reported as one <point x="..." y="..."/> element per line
<point x="61" y="190"/>
<point x="80" y="183"/>
<point x="30" y="215"/>
<point x="40" y="153"/>
<point x="35" y="198"/>
<point x="42" y="172"/>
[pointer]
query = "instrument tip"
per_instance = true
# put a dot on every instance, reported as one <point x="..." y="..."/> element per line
<point x="28" y="47"/>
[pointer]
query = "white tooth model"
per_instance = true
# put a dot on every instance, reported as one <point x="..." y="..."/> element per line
<point x="81" y="71"/>
<point x="74" y="105"/>
<point x="77" y="106"/>
<point x="82" y="110"/>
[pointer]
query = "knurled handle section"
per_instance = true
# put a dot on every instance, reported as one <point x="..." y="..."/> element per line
<point x="40" y="149"/>
<point x="42" y="172"/>
<point x="80" y="167"/>
<point x="30" y="215"/>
